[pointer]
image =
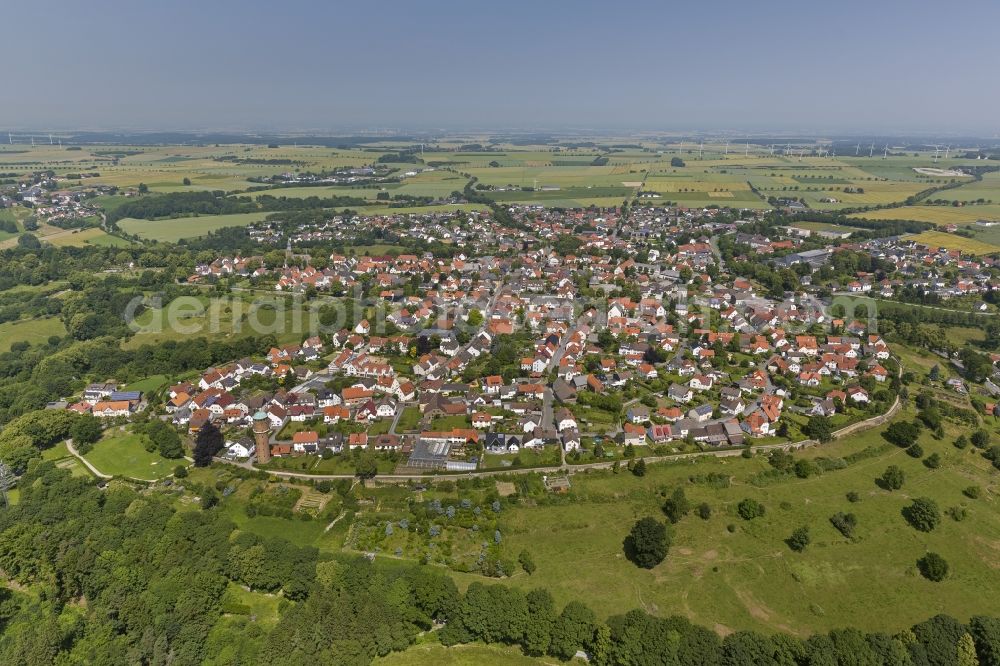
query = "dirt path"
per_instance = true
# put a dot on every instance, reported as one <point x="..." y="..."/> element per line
<point x="335" y="521"/>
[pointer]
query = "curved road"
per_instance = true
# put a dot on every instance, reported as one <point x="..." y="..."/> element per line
<point x="873" y="422"/>
<point x="93" y="470"/>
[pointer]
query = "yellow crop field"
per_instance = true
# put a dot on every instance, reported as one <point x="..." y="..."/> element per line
<point x="939" y="215"/>
<point x="953" y="242"/>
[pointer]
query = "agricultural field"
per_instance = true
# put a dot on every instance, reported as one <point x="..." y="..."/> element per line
<point x="823" y="226"/>
<point x="986" y="190"/>
<point x="955" y="242"/>
<point x="201" y="316"/>
<point x="173" y="230"/>
<point x="693" y="188"/>
<point x="79" y="237"/>
<point x="122" y="454"/>
<point x="563" y="177"/>
<point x="939" y="215"/>
<point x="30" y="330"/>
<point x="417" y="210"/>
<point x="600" y="175"/>
<point x="164" y="168"/>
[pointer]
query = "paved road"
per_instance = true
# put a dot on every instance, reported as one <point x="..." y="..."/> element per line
<point x="93" y="470"/>
<point x="548" y="398"/>
<point x="523" y="470"/>
<point x="860" y="426"/>
<point x="101" y="475"/>
<point x="873" y="422"/>
<point x="915" y="305"/>
<point x="400" y="408"/>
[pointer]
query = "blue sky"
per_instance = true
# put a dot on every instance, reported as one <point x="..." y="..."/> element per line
<point x="880" y="65"/>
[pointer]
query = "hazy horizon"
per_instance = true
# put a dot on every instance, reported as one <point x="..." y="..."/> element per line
<point x="891" y="67"/>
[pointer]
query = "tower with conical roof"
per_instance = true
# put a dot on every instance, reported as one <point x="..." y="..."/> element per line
<point x="262" y="437"/>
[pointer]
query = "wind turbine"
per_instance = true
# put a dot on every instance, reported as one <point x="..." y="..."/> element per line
<point x="701" y="146"/>
<point x="746" y="153"/>
<point x="50" y="138"/>
<point x="937" y="150"/>
<point x="885" y="154"/>
<point x="727" y="147"/>
<point x="871" y="149"/>
<point x="10" y="139"/>
<point x="857" y="149"/>
<point x="771" y="149"/>
<point x="946" y="151"/>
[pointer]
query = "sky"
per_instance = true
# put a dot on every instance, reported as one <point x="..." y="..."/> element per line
<point x="325" y="66"/>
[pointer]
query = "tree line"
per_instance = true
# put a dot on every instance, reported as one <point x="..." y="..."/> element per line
<point x="174" y="204"/>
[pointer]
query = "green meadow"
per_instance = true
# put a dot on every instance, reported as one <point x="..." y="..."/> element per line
<point x="122" y="454"/>
<point x="29" y="330"/>
<point x="745" y="577"/>
<point x="172" y="230"/>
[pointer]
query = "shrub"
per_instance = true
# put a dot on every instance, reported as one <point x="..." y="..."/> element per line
<point x="973" y="492"/>
<point x="853" y="497"/>
<point x="209" y="498"/>
<point x="527" y="562"/>
<point x="902" y="433"/>
<point x="923" y="514"/>
<point x="933" y="461"/>
<point x="805" y="468"/>
<point x="993" y="455"/>
<point x="892" y="478"/>
<point x="958" y="513"/>
<point x="180" y="472"/>
<point x="933" y="567"/>
<point x="799" y="539"/>
<point x="980" y="439"/>
<point x="704" y="511"/>
<point x="915" y="451"/>
<point x="844" y="523"/>
<point x="750" y="509"/>
<point x="677" y="506"/>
